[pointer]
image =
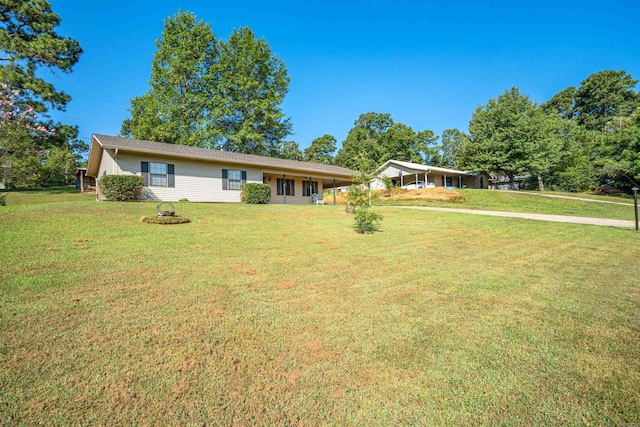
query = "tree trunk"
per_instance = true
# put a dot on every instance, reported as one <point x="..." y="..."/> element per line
<point x="512" y="181"/>
<point x="540" y="183"/>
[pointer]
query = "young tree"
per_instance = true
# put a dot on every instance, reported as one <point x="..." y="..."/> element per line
<point x="250" y="85"/>
<point x="321" y="150"/>
<point x="359" y="199"/>
<point x="175" y="108"/>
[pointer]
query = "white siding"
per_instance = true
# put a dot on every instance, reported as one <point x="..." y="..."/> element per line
<point x="408" y="176"/>
<point x="107" y="165"/>
<point x="195" y="181"/>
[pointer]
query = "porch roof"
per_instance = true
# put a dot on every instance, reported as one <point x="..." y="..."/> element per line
<point x="418" y="168"/>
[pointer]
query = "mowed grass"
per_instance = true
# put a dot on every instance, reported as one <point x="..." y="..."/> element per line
<point x="46" y="195"/>
<point x="282" y="315"/>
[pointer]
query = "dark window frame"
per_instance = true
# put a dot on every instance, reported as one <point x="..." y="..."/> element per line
<point x="307" y="190"/>
<point x="233" y="184"/>
<point x="148" y="177"/>
<point x="290" y="189"/>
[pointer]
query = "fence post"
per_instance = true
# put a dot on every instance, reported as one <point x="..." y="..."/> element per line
<point x="635" y="204"/>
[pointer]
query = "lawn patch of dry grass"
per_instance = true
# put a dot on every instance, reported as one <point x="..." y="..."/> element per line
<point x="424" y="194"/>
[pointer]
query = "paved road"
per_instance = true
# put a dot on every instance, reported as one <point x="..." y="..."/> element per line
<point x="557" y="196"/>
<point x="554" y="218"/>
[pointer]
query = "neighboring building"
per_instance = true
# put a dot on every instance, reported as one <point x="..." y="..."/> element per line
<point x="174" y="172"/>
<point x="405" y="173"/>
<point x="84" y="182"/>
<point x="502" y="182"/>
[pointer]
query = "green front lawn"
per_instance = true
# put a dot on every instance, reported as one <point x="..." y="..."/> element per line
<point x="282" y="315"/>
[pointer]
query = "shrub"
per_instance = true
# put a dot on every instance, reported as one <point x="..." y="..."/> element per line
<point x="254" y="193"/>
<point x="359" y="202"/>
<point x="3" y="200"/>
<point x="121" y="187"/>
<point x="366" y="221"/>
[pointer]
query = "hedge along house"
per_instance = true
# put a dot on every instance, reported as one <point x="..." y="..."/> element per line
<point x="174" y="172"/>
<point x="404" y="173"/>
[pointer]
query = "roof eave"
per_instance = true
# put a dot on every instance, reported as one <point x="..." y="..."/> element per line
<point x="95" y="156"/>
<point x="223" y="161"/>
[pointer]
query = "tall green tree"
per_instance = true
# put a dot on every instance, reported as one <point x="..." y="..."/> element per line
<point x="603" y="96"/>
<point x="250" y="86"/>
<point x="576" y="168"/>
<point x="321" y="150"/>
<point x="450" y="147"/>
<point x="619" y="155"/>
<point x="376" y="138"/>
<point x="563" y="103"/>
<point x="175" y="108"/>
<point x="362" y="150"/>
<point x="511" y="135"/>
<point x="400" y="142"/>
<point x="29" y="46"/>
<point x="29" y="43"/>
<point x="287" y="150"/>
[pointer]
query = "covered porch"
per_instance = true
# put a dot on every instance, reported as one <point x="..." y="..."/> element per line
<point x="298" y="188"/>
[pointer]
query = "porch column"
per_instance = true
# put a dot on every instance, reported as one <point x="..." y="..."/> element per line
<point x="459" y="182"/>
<point x="284" y="188"/>
<point x="416" y="181"/>
<point x="334" y="191"/>
<point x="445" y="180"/>
<point x="310" y="190"/>
<point x="81" y="182"/>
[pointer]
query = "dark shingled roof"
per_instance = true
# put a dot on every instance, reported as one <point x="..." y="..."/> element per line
<point x="128" y="144"/>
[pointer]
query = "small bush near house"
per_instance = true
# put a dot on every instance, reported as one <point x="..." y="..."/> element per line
<point x="122" y="188"/>
<point x="3" y="200"/>
<point x="256" y="193"/>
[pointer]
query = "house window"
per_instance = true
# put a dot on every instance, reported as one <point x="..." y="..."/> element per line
<point x="286" y="187"/>
<point x="156" y="174"/>
<point x="233" y="179"/>
<point x="309" y="188"/>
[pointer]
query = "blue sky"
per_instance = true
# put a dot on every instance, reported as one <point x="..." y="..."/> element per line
<point x="427" y="63"/>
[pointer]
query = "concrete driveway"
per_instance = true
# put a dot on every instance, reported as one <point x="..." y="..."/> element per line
<point x="554" y="218"/>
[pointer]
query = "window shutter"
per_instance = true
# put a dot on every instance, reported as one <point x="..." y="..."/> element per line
<point x="171" y="175"/>
<point x="225" y="179"/>
<point x="144" y="167"/>
<point x="244" y="177"/>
